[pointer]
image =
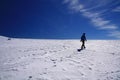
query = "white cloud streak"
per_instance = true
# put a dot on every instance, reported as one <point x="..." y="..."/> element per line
<point x="117" y="9"/>
<point x="115" y="34"/>
<point x="95" y="17"/>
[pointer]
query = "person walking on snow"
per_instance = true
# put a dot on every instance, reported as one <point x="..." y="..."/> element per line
<point x="83" y="39"/>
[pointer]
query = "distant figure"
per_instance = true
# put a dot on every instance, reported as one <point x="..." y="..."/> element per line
<point x="83" y="39"/>
<point x="9" y="38"/>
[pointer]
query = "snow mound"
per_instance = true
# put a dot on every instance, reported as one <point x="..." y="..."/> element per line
<point x="3" y="38"/>
<point x="25" y="59"/>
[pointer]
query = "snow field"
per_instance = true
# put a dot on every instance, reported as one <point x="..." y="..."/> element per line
<point x="34" y="59"/>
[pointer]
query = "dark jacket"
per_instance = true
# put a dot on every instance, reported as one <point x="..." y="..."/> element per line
<point x="83" y="38"/>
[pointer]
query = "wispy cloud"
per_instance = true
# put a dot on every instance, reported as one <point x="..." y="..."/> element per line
<point x="117" y="9"/>
<point x="94" y="14"/>
<point x="114" y="34"/>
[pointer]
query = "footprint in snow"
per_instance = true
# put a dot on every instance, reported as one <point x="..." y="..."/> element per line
<point x="29" y="78"/>
<point x="112" y="53"/>
<point x="63" y="69"/>
<point x="53" y="59"/>
<point x="89" y="68"/>
<point x="54" y="65"/>
<point x="33" y="54"/>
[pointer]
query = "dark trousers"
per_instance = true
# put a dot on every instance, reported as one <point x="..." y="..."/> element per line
<point x="83" y="44"/>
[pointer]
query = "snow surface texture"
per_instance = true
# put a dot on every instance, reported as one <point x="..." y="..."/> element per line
<point x="30" y="59"/>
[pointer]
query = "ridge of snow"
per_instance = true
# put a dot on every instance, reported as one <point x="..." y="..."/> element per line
<point x="3" y="37"/>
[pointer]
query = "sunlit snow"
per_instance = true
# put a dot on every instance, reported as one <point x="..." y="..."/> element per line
<point x="39" y="59"/>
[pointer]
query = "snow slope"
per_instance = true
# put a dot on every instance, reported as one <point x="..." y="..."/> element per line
<point x="32" y="59"/>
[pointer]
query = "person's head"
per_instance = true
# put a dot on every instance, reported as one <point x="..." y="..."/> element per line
<point x="83" y="33"/>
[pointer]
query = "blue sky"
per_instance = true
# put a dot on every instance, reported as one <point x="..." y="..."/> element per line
<point x="60" y="19"/>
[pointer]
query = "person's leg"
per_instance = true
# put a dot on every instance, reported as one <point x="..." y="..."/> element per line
<point x="82" y="45"/>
